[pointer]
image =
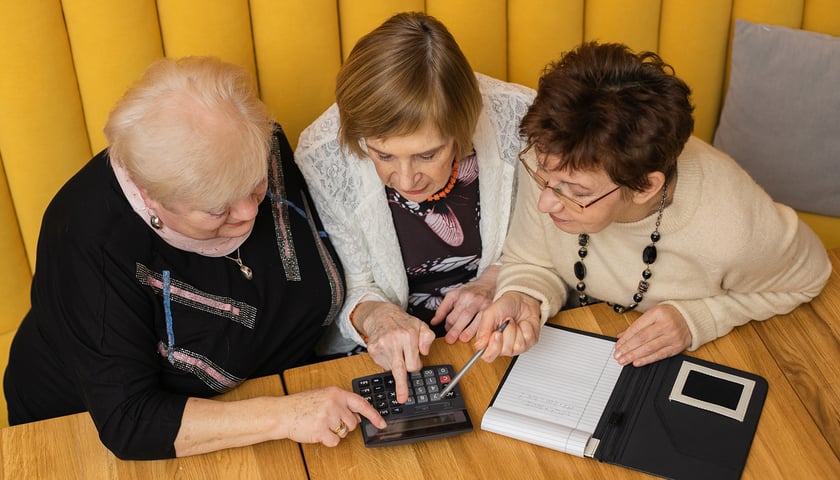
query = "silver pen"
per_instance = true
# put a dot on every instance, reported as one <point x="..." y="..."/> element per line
<point x="469" y="364"/>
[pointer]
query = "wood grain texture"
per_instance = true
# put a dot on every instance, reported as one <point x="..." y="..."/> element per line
<point x="806" y="346"/>
<point x="69" y="447"/>
<point x="473" y="455"/>
<point x="797" y="435"/>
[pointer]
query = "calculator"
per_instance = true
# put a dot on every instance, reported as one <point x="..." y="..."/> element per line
<point x="424" y="416"/>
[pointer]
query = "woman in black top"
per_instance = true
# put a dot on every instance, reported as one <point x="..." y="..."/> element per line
<point x="182" y="260"/>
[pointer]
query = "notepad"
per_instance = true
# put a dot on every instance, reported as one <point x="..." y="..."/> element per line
<point x="555" y="394"/>
<point x="681" y="417"/>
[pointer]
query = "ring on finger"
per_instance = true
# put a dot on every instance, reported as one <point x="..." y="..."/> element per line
<point x="340" y="430"/>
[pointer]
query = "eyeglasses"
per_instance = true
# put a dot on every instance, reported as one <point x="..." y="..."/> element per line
<point x="568" y="202"/>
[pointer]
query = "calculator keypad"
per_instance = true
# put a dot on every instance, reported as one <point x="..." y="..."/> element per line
<point x="424" y="389"/>
<point x="424" y="416"/>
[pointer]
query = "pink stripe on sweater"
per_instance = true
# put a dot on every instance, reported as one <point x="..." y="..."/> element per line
<point x="180" y="292"/>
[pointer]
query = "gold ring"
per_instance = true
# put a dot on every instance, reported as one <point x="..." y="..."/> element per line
<point x="340" y="430"/>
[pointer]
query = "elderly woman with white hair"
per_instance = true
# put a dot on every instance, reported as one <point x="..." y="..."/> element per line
<point x="180" y="261"/>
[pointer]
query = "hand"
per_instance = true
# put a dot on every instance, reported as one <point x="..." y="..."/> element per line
<point x="395" y="340"/>
<point x="314" y="415"/>
<point x="461" y="305"/>
<point x="522" y="333"/>
<point x="659" y="333"/>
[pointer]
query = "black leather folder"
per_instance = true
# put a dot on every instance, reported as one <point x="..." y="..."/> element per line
<point x="681" y="418"/>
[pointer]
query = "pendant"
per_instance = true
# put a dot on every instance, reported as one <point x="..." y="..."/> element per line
<point x="246" y="271"/>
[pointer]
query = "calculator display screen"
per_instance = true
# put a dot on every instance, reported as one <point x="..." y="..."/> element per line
<point x="416" y="426"/>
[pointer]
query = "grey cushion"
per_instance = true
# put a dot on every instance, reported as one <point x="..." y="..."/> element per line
<point x="781" y="115"/>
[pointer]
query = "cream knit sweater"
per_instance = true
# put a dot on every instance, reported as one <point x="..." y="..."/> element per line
<point x="728" y="253"/>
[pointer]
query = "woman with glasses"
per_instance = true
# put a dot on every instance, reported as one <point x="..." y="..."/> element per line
<point x="412" y="171"/>
<point x="626" y="207"/>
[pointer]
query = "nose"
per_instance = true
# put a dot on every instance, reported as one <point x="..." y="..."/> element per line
<point x="404" y="176"/>
<point x="244" y="209"/>
<point x="548" y="202"/>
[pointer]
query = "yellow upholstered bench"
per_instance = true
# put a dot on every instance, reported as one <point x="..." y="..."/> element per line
<point x="64" y="63"/>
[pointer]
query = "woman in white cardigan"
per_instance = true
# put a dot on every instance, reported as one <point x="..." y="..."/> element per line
<point x="413" y="171"/>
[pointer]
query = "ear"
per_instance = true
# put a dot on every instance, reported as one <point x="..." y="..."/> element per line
<point x="655" y="182"/>
<point x="150" y="204"/>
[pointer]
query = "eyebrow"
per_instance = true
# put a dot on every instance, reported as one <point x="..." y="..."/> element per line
<point x="585" y="190"/>
<point x="426" y="152"/>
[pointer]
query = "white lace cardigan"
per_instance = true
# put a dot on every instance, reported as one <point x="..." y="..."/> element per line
<point x="351" y="202"/>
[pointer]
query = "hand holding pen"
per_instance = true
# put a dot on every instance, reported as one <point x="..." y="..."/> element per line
<point x="524" y="313"/>
<point x="469" y="364"/>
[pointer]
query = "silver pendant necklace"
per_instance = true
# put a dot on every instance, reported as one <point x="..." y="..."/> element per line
<point x="245" y="269"/>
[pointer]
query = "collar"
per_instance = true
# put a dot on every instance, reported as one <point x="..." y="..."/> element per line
<point x="215" y="247"/>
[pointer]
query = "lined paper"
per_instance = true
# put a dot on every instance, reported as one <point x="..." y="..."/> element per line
<point x="556" y="392"/>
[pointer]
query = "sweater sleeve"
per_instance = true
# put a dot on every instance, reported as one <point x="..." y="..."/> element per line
<point x="764" y="259"/>
<point x="526" y="263"/>
<point x="756" y="288"/>
<point x="107" y="339"/>
<point x="336" y="189"/>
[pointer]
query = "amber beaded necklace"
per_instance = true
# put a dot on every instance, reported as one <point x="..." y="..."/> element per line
<point x="448" y="188"/>
<point x="648" y="257"/>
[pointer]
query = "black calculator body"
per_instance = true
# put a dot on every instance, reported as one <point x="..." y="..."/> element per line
<point x="424" y="416"/>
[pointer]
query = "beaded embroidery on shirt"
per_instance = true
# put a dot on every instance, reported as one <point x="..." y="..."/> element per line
<point x="280" y="210"/>
<point x="185" y="294"/>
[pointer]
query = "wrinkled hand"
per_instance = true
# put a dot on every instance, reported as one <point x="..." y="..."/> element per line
<point x="395" y="340"/>
<point x="312" y="415"/>
<point x="659" y="333"/>
<point x="521" y="334"/>
<point x="461" y="305"/>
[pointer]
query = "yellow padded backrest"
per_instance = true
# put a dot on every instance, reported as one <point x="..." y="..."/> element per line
<point x="43" y="137"/>
<point x="42" y="142"/>
<point x="14" y="282"/>
<point x="63" y="64"/>
<point x="222" y="29"/>
<point x="479" y="27"/>
<point x="538" y="32"/>
<point x="112" y="44"/>
<point x="297" y="51"/>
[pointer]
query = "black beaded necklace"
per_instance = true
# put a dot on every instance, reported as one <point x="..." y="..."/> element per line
<point x="648" y="257"/>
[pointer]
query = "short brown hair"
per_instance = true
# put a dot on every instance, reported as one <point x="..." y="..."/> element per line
<point x="407" y="72"/>
<point x="603" y="106"/>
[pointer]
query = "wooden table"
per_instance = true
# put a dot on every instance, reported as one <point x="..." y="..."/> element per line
<point x="69" y="448"/>
<point x="798" y="435"/>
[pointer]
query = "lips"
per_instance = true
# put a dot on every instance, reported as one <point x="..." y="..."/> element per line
<point x="413" y="192"/>
<point x="558" y="221"/>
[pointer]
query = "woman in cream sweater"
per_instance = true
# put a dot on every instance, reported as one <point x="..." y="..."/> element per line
<point x="624" y="206"/>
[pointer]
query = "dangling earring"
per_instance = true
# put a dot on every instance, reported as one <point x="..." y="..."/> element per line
<point x="155" y="222"/>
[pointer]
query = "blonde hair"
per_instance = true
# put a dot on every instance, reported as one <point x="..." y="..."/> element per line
<point x="404" y="74"/>
<point x="192" y="131"/>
